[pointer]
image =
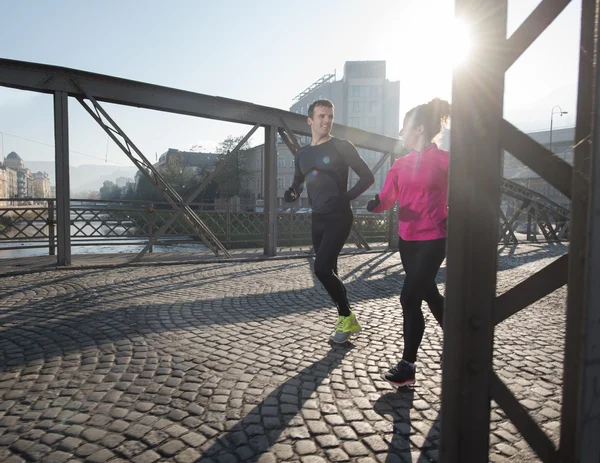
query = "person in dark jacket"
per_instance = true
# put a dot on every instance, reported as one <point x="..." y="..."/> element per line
<point x="323" y="166"/>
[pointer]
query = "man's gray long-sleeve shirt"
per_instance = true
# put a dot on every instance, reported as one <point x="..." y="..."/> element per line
<point x="324" y="170"/>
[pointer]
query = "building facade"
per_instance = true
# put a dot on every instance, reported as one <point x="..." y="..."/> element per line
<point x="17" y="180"/>
<point x="41" y="185"/>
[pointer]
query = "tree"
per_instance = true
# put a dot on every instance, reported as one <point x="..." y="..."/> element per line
<point x="178" y="173"/>
<point x="233" y="167"/>
<point x="175" y="171"/>
<point x="110" y="191"/>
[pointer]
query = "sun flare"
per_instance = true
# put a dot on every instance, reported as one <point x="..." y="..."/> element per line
<point x="459" y="42"/>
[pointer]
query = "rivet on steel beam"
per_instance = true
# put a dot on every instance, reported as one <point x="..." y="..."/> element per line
<point x="475" y="322"/>
<point x="472" y="366"/>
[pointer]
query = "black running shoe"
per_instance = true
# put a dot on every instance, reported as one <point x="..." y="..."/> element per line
<point x="401" y="375"/>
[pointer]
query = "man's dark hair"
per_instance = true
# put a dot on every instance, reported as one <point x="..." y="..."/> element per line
<point x="324" y="102"/>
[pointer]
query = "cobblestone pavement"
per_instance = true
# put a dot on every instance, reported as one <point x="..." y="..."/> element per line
<point x="230" y="362"/>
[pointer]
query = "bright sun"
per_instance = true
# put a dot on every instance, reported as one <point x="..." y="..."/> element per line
<point x="425" y="52"/>
<point x="459" y="42"/>
<point x="445" y="43"/>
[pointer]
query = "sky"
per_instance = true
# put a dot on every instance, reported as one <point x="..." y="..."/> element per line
<point x="264" y="52"/>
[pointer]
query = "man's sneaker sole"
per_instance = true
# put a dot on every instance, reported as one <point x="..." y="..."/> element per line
<point x="332" y="338"/>
<point x="408" y="383"/>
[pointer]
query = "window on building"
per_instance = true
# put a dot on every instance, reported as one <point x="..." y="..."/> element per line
<point x="355" y="90"/>
<point x="293" y="163"/>
<point x="280" y="161"/>
<point x="355" y="107"/>
<point x="353" y="121"/>
<point x="280" y="182"/>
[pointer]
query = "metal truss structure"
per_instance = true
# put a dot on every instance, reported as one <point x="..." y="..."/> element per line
<point x="479" y="137"/>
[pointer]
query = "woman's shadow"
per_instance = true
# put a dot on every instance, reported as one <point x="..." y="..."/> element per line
<point x="396" y="406"/>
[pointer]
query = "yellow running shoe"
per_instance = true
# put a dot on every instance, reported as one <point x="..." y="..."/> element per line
<point x="344" y="328"/>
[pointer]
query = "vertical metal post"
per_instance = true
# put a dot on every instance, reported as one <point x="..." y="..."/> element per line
<point x="51" y="224"/>
<point x="61" y="152"/>
<point x="589" y="408"/>
<point x="150" y="211"/>
<point x="580" y="421"/>
<point x="270" y="188"/>
<point x="474" y="199"/>
<point x="530" y="235"/>
<point x="228" y="223"/>
<point x="290" y="219"/>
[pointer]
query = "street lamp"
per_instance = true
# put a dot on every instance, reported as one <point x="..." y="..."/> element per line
<point x="561" y="112"/>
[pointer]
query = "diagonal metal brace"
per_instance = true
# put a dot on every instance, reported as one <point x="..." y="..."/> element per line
<point x="150" y="172"/>
<point x="193" y="196"/>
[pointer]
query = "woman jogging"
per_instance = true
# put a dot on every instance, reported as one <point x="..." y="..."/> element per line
<point x="419" y="182"/>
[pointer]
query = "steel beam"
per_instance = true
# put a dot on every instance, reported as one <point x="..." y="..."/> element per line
<point x="538" y="285"/>
<point x="49" y="79"/>
<point x="531" y="28"/>
<point x="61" y="152"/>
<point x="580" y="420"/>
<point x="506" y="231"/>
<point x="270" y="187"/>
<point x="473" y="224"/>
<point x="589" y="405"/>
<point x="541" y="160"/>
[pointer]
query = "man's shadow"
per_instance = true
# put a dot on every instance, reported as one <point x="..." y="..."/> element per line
<point x="262" y="427"/>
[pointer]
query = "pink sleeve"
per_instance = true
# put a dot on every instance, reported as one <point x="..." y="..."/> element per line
<point x="390" y="191"/>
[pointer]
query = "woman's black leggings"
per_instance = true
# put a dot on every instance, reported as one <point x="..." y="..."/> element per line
<point x="329" y="233"/>
<point x="421" y="261"/>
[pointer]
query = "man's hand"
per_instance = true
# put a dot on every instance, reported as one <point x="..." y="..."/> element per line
<point x="289" y="195"/>
<point x="373" y="203"/>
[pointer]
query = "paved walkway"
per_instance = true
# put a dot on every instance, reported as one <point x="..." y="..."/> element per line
<point x="229" y="362"/>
